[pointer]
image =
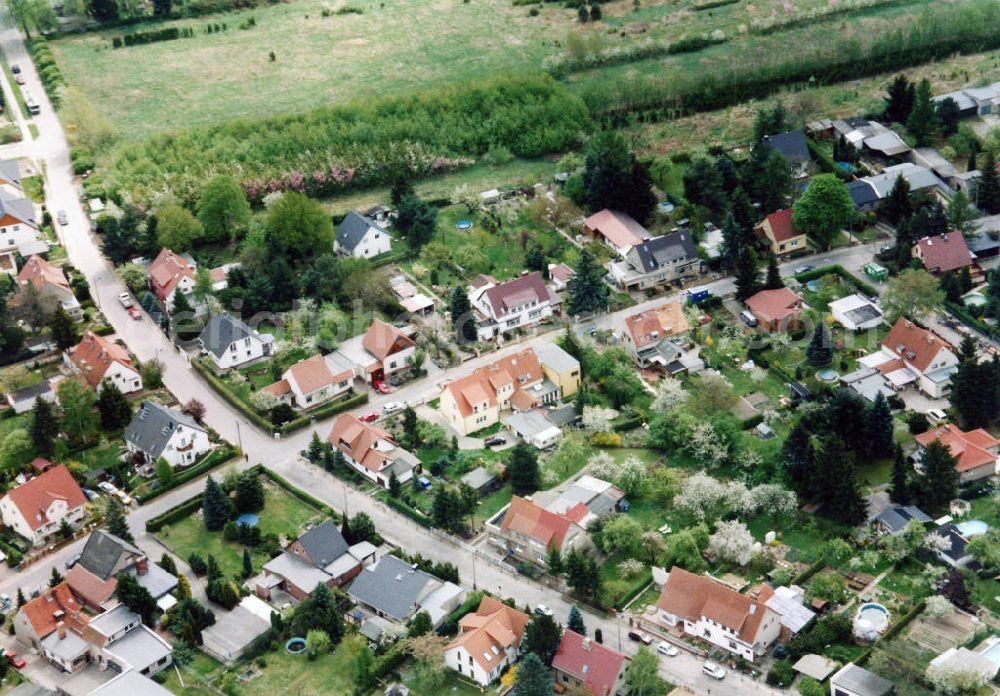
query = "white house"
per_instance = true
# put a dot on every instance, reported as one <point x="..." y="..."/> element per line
<point x="383" y="353"/>
<point x="37" y="509"/>
<point x="488" y="641"/>
<point x="361" y="237"/>
<point x="914" y="355"/>
<point x="50" y="282"/>
<point x="711" y="611"/>
<point x="856" y="313"/>
<point x="157" y="431"/>
<point x="517" y="303"/>
<point x="657" y="261"/>
<point x="310" y="382"/>
<point x="100" y="361"/>
<point x="371" y="450"/>
<point x="231" y="343"/>
<point x="170" y="273"/>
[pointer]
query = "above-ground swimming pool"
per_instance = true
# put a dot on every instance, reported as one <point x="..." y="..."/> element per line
<point x="665" y="207"/>
<point x="296" y="645"/>
<point x="464" y="224"/>
<point x="972" y="527"/>
<point x="247" y="518"/>
<point x="871" y="621"/>
<point x="827" y="375"/>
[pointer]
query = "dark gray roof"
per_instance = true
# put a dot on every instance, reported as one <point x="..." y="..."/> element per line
<point x="862" y="193"/>
<point x="479" y="477"/>
<point x="21" y="208"/>
<point x="860" y="681"/>
<point x="956" y="551"/>
<point x="791" y="144"/>
<point x="667" y="248"/>
<point x="35" y="390"/>
<point x="153" y="425"/>
<point x="981" y="243"/>
<point x="101" y="553"/>
<point x="391" y="586"/>
<point x="10" y="170"/>
<point x="353" y="229"/>
<point x="897" y="517"/>
<point x="223" y="330"/>
<point x="324" y="544"/>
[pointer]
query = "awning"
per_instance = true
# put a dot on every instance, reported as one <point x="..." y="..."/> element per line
<point x="166" y="603"/>
<point x="899" y="378"/>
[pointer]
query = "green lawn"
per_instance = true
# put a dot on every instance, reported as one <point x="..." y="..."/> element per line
<point x="453" y="686"/>
<point x="283" y="515"/>
<point x="102" y="456"/>
<point x="201" y="667"/>
<point x="294" y="674"/>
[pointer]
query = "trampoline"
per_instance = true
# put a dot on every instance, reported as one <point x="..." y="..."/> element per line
<point x="249" y="519"/>
<point x="463" y="224"/>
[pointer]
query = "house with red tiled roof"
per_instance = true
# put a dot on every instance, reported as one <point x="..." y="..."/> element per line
<point x="560" y="274"/>
<point x="43" y="615"/>
<point x="977" y="453"/>
<point x="656" y="338"/>
<point x="487" y="642"/>
<point x="911" y="354"/>
<point x="525" y="531"/>
<point x="37" y="509"/>
<point x="98" y="361"/>
<point x="585" y="663"/>
<point x="511" y="305"/>
<point x="372" y="451"/>
<point x="311" y="382"/>
<point x="781" y="235"/>
<point x="706" y="609"/>
<point x="945" y="252"/>
<point x="382" y="354"/>
<point x="776" y="310"/>
<point x="49" y="282"/>
<point x="616" y="229"/>
<point x="170" y="273"/>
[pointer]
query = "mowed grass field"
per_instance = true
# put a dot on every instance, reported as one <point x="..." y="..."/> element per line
<point x="392" y="46"/>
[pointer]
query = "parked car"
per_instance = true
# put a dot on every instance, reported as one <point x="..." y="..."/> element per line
<point x="380" y="386"/>
<point x="936" y="415"/>
<point x="72" y="561"/>
<point x="15" y="68"/>
<point x="4" y="601"/>
<point x="391" y="407"/>
<point x="124" y="299"/>
<point x="543" y="610"/>
<point x="19" y="79"/>
<point x="713" y="670"/>
<point x="90" y="493"/>
<point x="123" y="497"/>
<point x="804" y="269"/>
<point x="640" y="636"/>
<point x="370" y="417"/>
<point x="108" y="487"/>
<point x="14" y="660"/>
<point x="62" y="217"/>
<point x="134" y="313"/>
<point x="665" y="648"/>
<point x="494" y="441"/>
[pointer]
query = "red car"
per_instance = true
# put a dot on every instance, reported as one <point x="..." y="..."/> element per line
<point x="19" y="79"/>
<point x="14" y="660"/>
<point x="380" y="386"/>
<point x="370" y="417"/>
<point x="134" y="313"/>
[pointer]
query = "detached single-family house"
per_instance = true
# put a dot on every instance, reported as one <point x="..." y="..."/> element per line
<point x="533" y="427"/>
<point x="49" y="282"/>
<point x="310" y="383"/>
<point x="231" y="343"/>
<point x="234" y="631"/>
<point x="616" y="229"/>
<point x="99" y="361"/>
<point x="23" y="400"/>
<point x="514" y="304"/>
<point x="37" y="509"/>
<point x="488" y="642"/>
<point x="157" y="431"/>
<point x="776" y="310"/>
<point x="93" y="578"/>
<point x="896" y="518"/>
<point x="920" y="179"/>
<point x="361" y="237"/>
<point x="384" y="353"/>
<point x="977" y="453"/>
<point x="945" y="252"/>
<point x="586" y="663"/>
<point x="321" y="555"/>
<point x="53" y="608"/>
<point x="394" y="590"/>
<point x="170" y="273"/>
<point x="956" y="554"/>
<point x="781" y="234"/>
<point x="587" y="500"/>
<point x="717" y="614"/>
<point x="657" y="338"/>
<point x="914" y="355"/>
<point x="559" y="367"/>
<point x="560" y="274"/>
<point x="656" y="262"/>
<point x="852" y="680"/>
<point x="793" y="147"/>
<point x="871" y="137"/>
<point x="18" y="227"/>
<point x="372" y="451"/>
<point x="789" y="604"/>
<point x="119" y="642"/>
<point x="864" y="195"/>
<point x="856" y="313"/>
<point x="525" y="531"/>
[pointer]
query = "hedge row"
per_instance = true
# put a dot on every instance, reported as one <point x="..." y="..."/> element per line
<point x="48" y="71"/>
<point x="140" y="38"/>
<point x="622" y="425"/>
<point x="227" y="394"/>
<point x="813" y="568"/>
<point x="960" y="312"/>
<point x="635" y="590"/>
<point x="299" y="493"/>
<point x="415" y="515"/>
<point x="322" y="412"/>
<point x="174" y="514"/>
<point x="826" y="163"/>
<point x="839" y="270"/>
<point x="211" y="460"/>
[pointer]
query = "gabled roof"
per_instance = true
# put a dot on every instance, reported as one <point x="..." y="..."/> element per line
<point x="561" y="272"/>
<point x="40" y="273"/>
<point x="775" y="305"/>
<point x="489" y="632"/>
<point x="102" y="554"/>
<point x="593" y="664"/>
<point x="32" y="392"/>
<point x="521" y="369"/>
<point x="383" y="339"/>
<point x="91" y="589"/>
<point x="692" y="596"/>
<point x="654" y="325"/>
<point x="535" y="522"/>
<point x="780" y="224"/>
<point x="860" y="681"/>
<point x="94" y="354"/>
<point x="862" y="193"/>
<point x="791" y="144"/>
<point x="917" y="346"/>
<point x="970" y="449"/>
<point x="323" y="544"/>
<point x="33" y="499"/>
<point x="392" y="586"/>
<point x="17" y="207"/>
<point x="43" y="611"/>
<point x="503" y="298"/>
<point x="221" y="331"/>
<point x="944" y="252"/>
<point x="153" y="425"/>
<point x="167" y="270"/>
<point x="897" y="517"/>
<point x="10" y="172"/>
<point x="617" y="227"/>
<point x="353" y="229"/>
<point x="367" y="444"/>
<point x="313" y="373"/>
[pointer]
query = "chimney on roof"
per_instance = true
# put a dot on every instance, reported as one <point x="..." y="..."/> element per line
<point x="585" y="644"/>
<point x="61" y="628"/>
<point x="141" y="565"/>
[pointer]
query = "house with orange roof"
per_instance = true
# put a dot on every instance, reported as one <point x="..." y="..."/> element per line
<point x="311" y="382"/>
<point x="977" y="453"/>
<point x="588" y="664"/>
<point x="372" y="451"/>
<point x="56" y="608"/>
<point x="170" y="273"/>
<point x="616" y="229"/>
<point x="781" y="235"/>
<point x="706" y="609"/>
<point x="911" y="354"/>
<point x="98" y="361"/>
<point x="383" y="353"/>
<point x="511" y="305"/>
<point x="488" y="641"/>
<point x="776" y="310"/>
<point x="656" y="337"/>
<point x="50" y="283"/>
<point x="526" y="531"/>
<point x="37" y="509"/>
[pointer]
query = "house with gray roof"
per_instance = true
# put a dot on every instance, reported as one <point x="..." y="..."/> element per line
<point x="481" y="480"/>
<point x="10" y="177"/>
<point x="104" y="556"/>
<point x="130" y="683"/>
<point x="895" y="519"/>
<point x="23" y="400"/>
<point x="852" y="680"/>
<point x="234" y="631"/>
<point x="793" y="147"/>
<point x="533" y="427"/>
<point x="395" y="590"/>
<point x="360" y="237"/>
<point x="231" y="343"/>
<point x="863" y="194"/>
<point x="157" y="431"/>
<point x="656" y="262"/>
<point x="974" y="101"/>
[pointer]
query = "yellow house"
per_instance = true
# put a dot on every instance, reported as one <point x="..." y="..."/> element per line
<point x="780" y="233"/>
<point x="560" y="368"/>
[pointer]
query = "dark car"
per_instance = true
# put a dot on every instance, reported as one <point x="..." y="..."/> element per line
<point x="494" y="442"/>
<point x="640" y="637"/>
<point x="16" y="69"/>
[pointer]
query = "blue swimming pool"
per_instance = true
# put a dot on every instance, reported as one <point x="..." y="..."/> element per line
<point x="249" y="519"/>
<point x="992" y="653"/>
<point x="972" y="527"/>
<point x="464" y="224"/>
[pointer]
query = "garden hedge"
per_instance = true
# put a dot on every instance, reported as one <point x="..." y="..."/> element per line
<point x="414" y="514"/>
<point x="322" y="412"/>
<point x="174" y="514"/>
<point x="839" y="270"/>
<point x="961" y="313"/>
<point x="635" y="590"/>
<point x="813" y="568"/>
<point x="211" y="460"/>
<point x="227" y="394"/>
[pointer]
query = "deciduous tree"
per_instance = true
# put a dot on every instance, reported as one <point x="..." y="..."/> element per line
<point x="824" y="209"/>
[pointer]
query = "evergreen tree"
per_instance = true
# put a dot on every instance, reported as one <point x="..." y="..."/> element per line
<point x="395" y="487"/>
<point x="315" y="449"/>
<point x="532" y="678"/>
<point x="117" y="525"/>
<point x="417" y="220"/>
<point x="410" y="433"/>
<point x="922" y="123"/>
<point x="729" y="178"/>
<point x="215" y="506"/>
<point x="161" y="8"/>
<point x="948" y="116"/>
<point x="988" y="187"/>
<point x="115" y="410"/>
<point x="463" y="322"/>
<point x="734" y="241"/>
<point x="840" y="492"/>
<point x="613" y="178"/>
<point x="898" y="205"/>
<point x="773" y="281"/>
<point x="971" y="164"/>
<point x="103" y="10"/>
<point x="345" y="529"/>
<point x="743" y="212"/>
<point x="321" y="611"/>
<point x="183" y="318"/>
<point x="899" y="485"/>
<point x="421" y="625"/>
<point x="401" y="188"/>
<point x="747" y="283"/>
<point x="704" y="187"/>
<point x="575" y="621"/>
<point x="899" y="99"/>
<point x="446" y="510"/>
<point x="587" y="290"/>
<point x="939" y="482"/>
<point x="63" y="329"/>
<point x="249" y="495"/>
<point x="44" y="428"/>
<point x="881" y="427"/>
<point x="247" y="563"/>
<point x="541" y="638"/>
<point x="819" y="352"/>
<point x="554" y="563"/>
<point x="136" y="597"/>
<point x="21" y="600"/>
<point x="164" y="472"/>
<point x="523" y="469"/>
<point x="167" y="563"/>
<point x="55" y="578"/>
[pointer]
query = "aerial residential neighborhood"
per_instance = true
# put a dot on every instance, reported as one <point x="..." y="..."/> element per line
<point x="626" y="348"/>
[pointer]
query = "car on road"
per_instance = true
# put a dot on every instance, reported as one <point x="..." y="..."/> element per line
<point x="380" y="386"/>
<point x="108" y="487"/>
<point x="714" y="670"/>
<point x="125" y="300"/>
<point x="4" y="601"/>
<point x="14" y="660"/>
<point x="134" y="313"/>
<point x="370" y="417"/>
<point x="72" y="561"/>
<point x="19" y="79"/>
<point x="543" y="610"/>
<point x="665" y="648"/>
<point x="935" y="416"/>
<point x="391" y="407"/>
<point x="804" y="269"/>
<point x="15" y="68"/>
<point x="640" y="637"/>
<point x="63" y="217"/>
<point x="494" y="441"/>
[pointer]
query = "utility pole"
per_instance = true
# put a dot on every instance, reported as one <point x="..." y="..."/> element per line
<point x="239" y="437"/>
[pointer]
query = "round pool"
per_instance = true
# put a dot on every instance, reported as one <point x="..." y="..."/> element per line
<point x="972" y="527"/>
<point x="665" y="207"/>
<point x="871" y="621"/>
<point x="827" y="375"/>
<point x="974" y="300"/>
<point x="248" y="518"/>
<point x="296" y="645"/>
<point x="464" y="224"/>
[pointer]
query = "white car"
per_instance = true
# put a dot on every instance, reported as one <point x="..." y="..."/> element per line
<point x="665" y="648"/>
<point x="391" y="407"/>
<point x="936" y="415"/>
<point x="543" y="610"/>
<point x="713" y="670"/>
<point x="108" y="487"/>
<point x="63" y="217"/>
<point x="125" y="299"/>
